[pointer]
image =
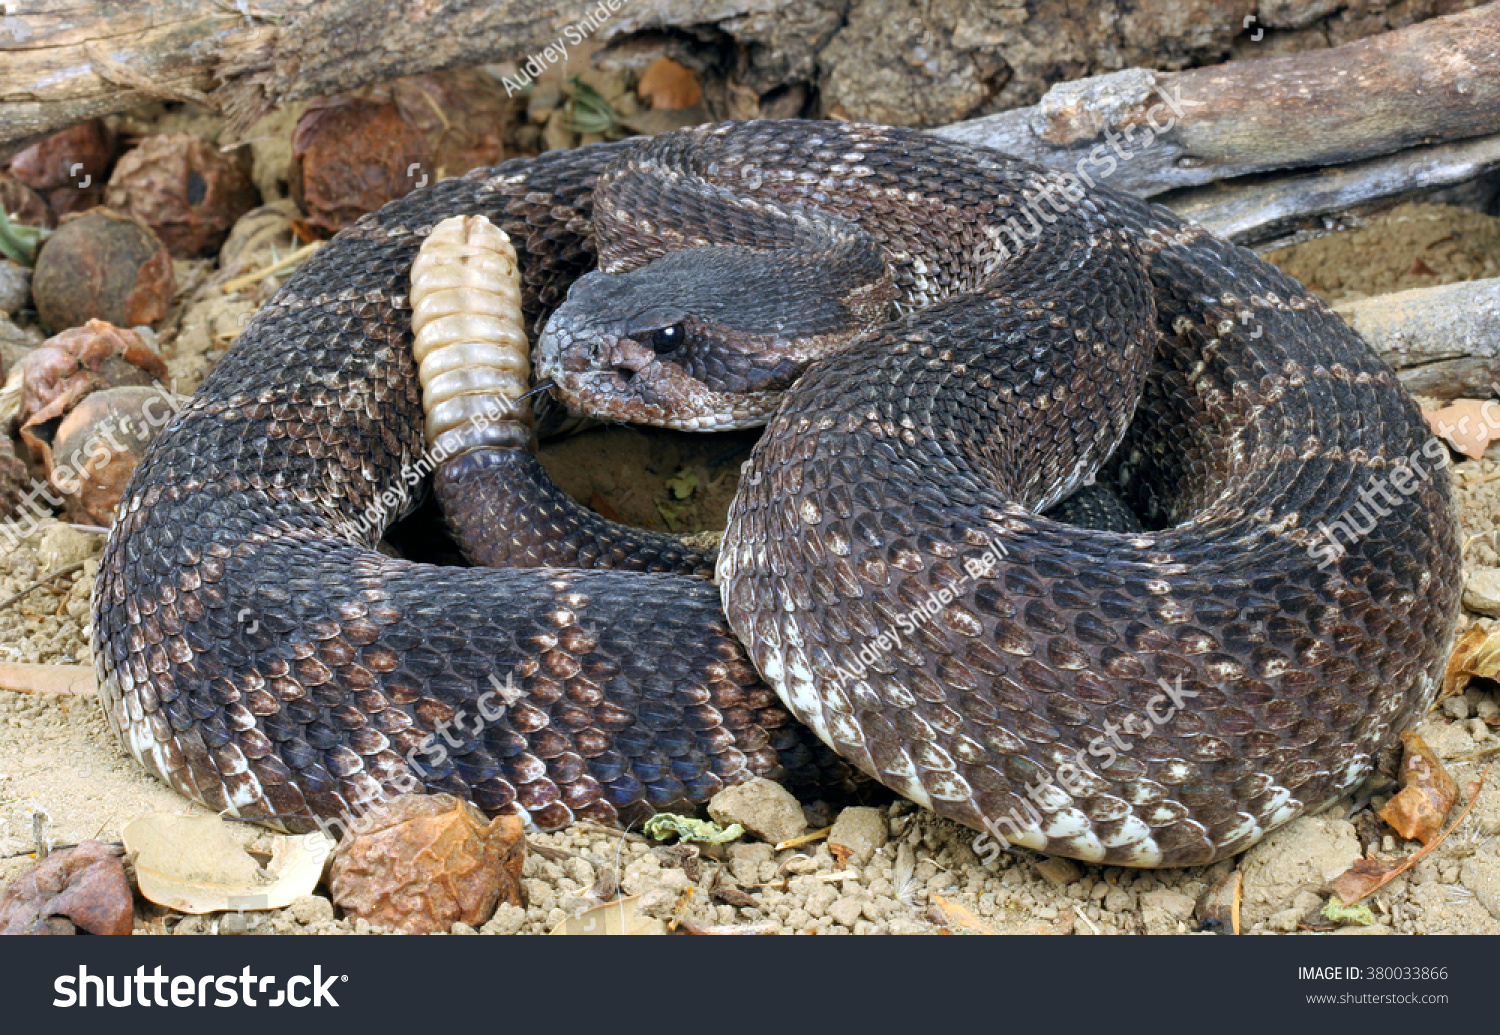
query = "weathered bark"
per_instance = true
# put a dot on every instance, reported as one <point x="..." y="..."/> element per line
<point x="1443" y="341"/>
<point x="1429" y="83"/>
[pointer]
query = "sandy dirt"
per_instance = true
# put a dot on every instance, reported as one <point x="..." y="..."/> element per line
<point x="61" y="771"/>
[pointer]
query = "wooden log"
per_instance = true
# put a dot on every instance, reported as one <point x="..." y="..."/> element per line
<point x="1275" y="211"/>
<point x="1148" y="132"/>
<point x="1443" y="341"/>
<point x="61" y="64"/>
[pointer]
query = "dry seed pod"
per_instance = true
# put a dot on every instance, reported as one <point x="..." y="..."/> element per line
<point x="102" y="265"/>
<point x="184" y="189"/>
<point x="68" y="168"/>
<point x="69" y="366"/>
<point x="98" y="446"/>
<point x="350" y="157"/>
<point x="428" y="861"/>
<point x="470" y="346"/>
<point x="23" y="204"/>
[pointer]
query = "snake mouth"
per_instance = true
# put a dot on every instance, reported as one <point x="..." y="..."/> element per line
<point x="611" y="377"/>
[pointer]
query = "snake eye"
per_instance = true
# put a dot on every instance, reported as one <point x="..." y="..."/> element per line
<point x="668" y="339"/>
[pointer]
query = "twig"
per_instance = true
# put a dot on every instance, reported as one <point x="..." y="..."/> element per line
<point x="39" y="583"/>
<point x="69" y="680"/>
<point x="285" y="262"/>
<point x="549" y="853"/>
<point x="1085" y="918"/>
<point x="589" y="824"/>
<point x="689" y="927"/>
<point x="1474" y="756"/>
<point x="804" y="839"/>
<point x="1417" y="856"/>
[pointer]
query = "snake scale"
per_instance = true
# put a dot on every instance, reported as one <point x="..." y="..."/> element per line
<point x="945" y="342"/>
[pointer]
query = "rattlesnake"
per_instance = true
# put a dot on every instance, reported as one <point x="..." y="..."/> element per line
<point x="984" y="339"/>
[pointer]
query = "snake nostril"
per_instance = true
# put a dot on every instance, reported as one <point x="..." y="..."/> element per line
<point x="626" y="374"/>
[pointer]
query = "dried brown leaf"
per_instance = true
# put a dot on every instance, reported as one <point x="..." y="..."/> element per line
<point x="666" y="85"/>
<point x="1367" y="876"/>
<point x="953" y="914"/>
<point x="80" y="888"/>
<point x="1465" y="425"/>
<point x="427" y="861"/>
<point x="193" y="865"/>
<point x="1427" y="793"/>
<point x="618" y="917"/>
<point x="1364" y="877"/>
<point x="1475" y="655"/>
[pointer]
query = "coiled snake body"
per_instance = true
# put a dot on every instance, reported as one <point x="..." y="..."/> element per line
<point x="984" y="337"/>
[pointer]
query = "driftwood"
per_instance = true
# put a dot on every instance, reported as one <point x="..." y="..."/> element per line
<point x="1148" y="132"/>
<point x="1443" y="341"/>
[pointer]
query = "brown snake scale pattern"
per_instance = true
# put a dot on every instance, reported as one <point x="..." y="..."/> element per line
<point x="256" y="653"/>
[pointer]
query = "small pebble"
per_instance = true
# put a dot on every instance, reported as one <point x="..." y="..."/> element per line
<point x="1059" y="871"/>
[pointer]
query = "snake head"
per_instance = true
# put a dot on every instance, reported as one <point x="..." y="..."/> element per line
<point x="703" y="339"/>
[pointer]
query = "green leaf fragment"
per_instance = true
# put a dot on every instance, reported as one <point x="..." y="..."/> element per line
<point x="665" y="824"/>
<point x="1336" y="912"/>
<point x="683" y="484"/>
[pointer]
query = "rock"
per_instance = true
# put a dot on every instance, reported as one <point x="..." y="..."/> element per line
<point x="1456" y="707"/>
<point x="846" y="911"/>
<point x="1447" y="739"/>
<point x="662" y="898"/>
<point x="15" y="287"/>
<point x="508" y="919"/>
<point x="861" y="832"/>
<point x="1059" y="871"/>
<point x="1167" y="905"/>
<point x="745" y="861"/>
<point x="62" y="546"/>
<point x="1482" y="591"/>
<point x="906" y="925"/>
<point x="1481" y="875"/>
<point x="1308" y="851"/>
<point x="765" y="809"/>
<point x="311" y="909"/>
